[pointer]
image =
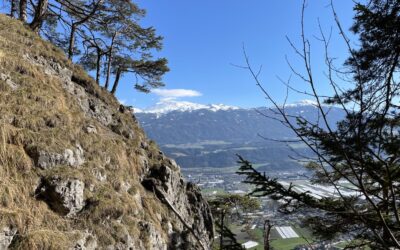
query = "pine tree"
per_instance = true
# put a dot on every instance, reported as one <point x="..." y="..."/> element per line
<point x="222" y="207"/>
<point x="125" y="46"/>
<point x="39" y="14"/>
<point x="110" y="34"/>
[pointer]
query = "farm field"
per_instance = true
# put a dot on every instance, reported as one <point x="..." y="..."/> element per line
<point x="319" y="191"/>
<point x="277" y="241"/>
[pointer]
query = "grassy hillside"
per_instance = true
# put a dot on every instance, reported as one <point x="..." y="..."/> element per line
<point x="58" y="126"/>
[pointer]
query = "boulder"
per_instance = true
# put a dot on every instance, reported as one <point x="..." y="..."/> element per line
<point x="63" y="196"/>
<point x="99" y="174"/>
<point x="7" y="235"/>
<point x="155" y="240"/>
<point x="90" y="129"/>
<point x="8" y="81"/>
<point x="70" y="157"/>
<point x="86" y="242"/>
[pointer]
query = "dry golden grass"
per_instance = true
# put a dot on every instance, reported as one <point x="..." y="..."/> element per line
<point x="24" y="117"/>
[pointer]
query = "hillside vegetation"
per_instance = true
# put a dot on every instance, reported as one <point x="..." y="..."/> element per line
<point x="76" y="170"/>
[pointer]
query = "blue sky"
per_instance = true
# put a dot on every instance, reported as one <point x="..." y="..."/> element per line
<point x="202" y="39"/>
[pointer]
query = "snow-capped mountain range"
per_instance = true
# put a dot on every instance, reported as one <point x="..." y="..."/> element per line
<point x="164" y="107"/>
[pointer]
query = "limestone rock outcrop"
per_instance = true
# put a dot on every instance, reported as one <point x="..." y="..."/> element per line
<point x="7" y="235"/>
<point x="71" y="157"/>
<point x="63" y="196"/>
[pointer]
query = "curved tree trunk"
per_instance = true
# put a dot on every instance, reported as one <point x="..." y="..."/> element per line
<point x="23" y="5"/>
<point x="75" y="25"/>
<point x="117" y="77"/>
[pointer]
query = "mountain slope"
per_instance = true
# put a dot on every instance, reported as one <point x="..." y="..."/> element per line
<point x="76" y="170"/>
<point x="208" y="138"/>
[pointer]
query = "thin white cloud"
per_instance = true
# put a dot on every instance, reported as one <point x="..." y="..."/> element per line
<point x="171" y="94"/>
<point x="122" y="101"/>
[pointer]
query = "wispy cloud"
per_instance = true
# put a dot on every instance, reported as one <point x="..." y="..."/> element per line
<point x="122" y="101"/>
<point x="172" y="94"/>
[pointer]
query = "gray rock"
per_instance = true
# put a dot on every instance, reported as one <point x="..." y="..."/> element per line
<point x="50" y="67"/>
<point x="143" y="162"/>
<point x="87" y="242"/>
<point x="100" y="175"/>
<point x="186" y="200"/>
<point x="91" y="106"/>
<point x="122" y="129"/>
<point x="7" y="235"/>
<point x="126" y="242"/>
<point x="8" y="81"/>
<point x="65" y="197"/>
<point x="90" y="129"/>
<point x="124" y="186"/>
<point x="154" y="238"/>
<point x="70" y="157"/>
<point x="98" y="110"/>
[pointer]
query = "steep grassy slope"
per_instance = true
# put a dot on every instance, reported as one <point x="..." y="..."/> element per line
<point x="76" y="170"/>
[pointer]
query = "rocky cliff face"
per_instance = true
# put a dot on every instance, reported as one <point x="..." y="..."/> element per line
<point x="76" y="170"/>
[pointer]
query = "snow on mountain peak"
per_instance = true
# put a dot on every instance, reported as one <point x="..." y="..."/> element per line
<point x="169" y="105"/>
<point x="302" y="103"/>
<point x="216" y="107"/>
<point x="166" y="106"/>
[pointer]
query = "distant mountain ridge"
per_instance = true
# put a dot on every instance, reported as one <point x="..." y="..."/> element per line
<point x="165" y="107"/>
<point x="207" y="137"/>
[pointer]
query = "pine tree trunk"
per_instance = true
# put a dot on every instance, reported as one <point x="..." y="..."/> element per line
<point x="117" y="77"/>
<point x="40" y="14"/>
<point x="108" y="70"/>
<point x="23" y="5"/>
<point x="14" y="8"/>
<point x="98" y="66"/>
<point x="71" y="42"/>
<point x="267" y="232"/>
<point x="110" y="58"/>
